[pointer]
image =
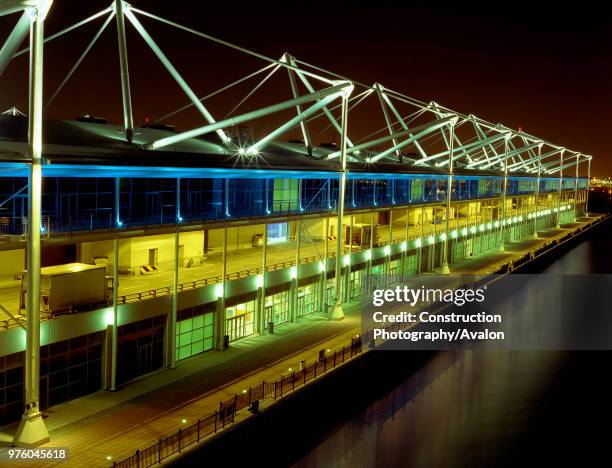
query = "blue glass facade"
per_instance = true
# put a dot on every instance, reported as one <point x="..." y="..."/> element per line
<point x="88" y="203"/>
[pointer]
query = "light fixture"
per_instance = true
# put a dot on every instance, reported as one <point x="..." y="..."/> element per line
<point x="387" y="250"/>
<point x="259" y="281"/>
<point x="293" y="272"/>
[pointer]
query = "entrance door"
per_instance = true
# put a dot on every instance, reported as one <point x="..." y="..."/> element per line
<point x="468" y="247"/>
<point x="268" y="314"/>
<point x="145" y="358"/>
<point x="301" y="306"/>
<point x="153" y="253"/>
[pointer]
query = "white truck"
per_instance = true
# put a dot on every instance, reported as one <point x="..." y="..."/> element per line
<point x="69" y="287"/>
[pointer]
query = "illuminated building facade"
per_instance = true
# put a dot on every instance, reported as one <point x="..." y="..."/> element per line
<point x="138" y="247"/>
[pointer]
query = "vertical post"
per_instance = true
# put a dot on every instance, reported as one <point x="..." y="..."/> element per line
<point x="128" y="119"/>
<point x="576" y="189"/>
<point x="32" y="430"/>
<point x="537" y="193"/>
<point x="338" y="313"/>
<point x="323" y="287"/>
<point x="220" y="313"/>
<point x="114" y="339"/>
<point x="505" y="188"/>
<point x="262" y="299"/>
<point x="558" y="226"/>
<point x="588" y="188"/>
<point x="405" y="248"/>
<point x="421" y="240"/>
<point x="347" y="292"/>
<point x="388" y="257"/>
<point x="294" y="281"/>
<point x="449" y="193"/>
<point x="175" y="280"/>
<point x="114" y="329"/>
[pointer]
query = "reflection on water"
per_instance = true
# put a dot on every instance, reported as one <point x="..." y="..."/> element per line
<point x="489" y="407"/>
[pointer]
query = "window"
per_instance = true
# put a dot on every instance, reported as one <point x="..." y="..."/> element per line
<point x="195" y="330"/>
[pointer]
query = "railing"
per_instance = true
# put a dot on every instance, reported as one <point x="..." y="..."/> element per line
<point x="199" y="283"/>
<point x="174" y="443"/>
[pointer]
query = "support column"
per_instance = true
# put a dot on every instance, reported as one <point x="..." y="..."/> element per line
<point x="347" y="292"/>
<point x="114" y="329"/>
<point x="371" y="242"/>
<point x="261" y="315"/>
<point x="220" y="312"/>
<point x="405" y="246"/>
<point x="537" y="194"/>
<point x="558" y="225"/>
<point x="449" y="192"/>
<point x="420" y="243"/>
<point x="128" y="119"/>
<point x="114" y="348"/>
<point x="175" y="282"/>
<point x="32" y="430"/>
<point x="586" y="202"/>
<point x="388" y="257"/>
<point x="576" y="189"/>
<point x="323" y="278"/>
<point x="294" y="280"/>
<point x="338" y="312"/>
<point x="503" y="223"/>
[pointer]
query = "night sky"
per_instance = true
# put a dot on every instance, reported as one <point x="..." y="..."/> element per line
<point x="548" y="72"/>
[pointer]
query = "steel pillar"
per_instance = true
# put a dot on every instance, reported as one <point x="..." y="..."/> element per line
<point x="128" y="119"/>
<point x="537" y="194"/>
<point x="449" y="193"/>
<point x="576" y="189"/>
<point x="32" y="430"/>
<point x="175" y="281"/>
<point x="114" y="330"/>
<point x="294" y="281"/>
<point x="338" y="313"/>
<point x="262" y="306"/>
<point x="502" y="225"/>
<point x="586" y="202"/>
<point x="220" y="313"/>
<point x="558" y="226"/>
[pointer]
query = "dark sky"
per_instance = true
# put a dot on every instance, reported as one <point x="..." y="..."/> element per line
<point x="547" y="70"/>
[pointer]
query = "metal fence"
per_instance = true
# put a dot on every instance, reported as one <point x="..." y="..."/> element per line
<point x="174" y="443"/>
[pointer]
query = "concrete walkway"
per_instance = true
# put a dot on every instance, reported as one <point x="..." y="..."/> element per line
<point x="106" y="424"/>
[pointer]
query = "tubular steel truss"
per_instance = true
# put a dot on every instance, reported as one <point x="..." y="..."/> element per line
<point x="412" y="132"/>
